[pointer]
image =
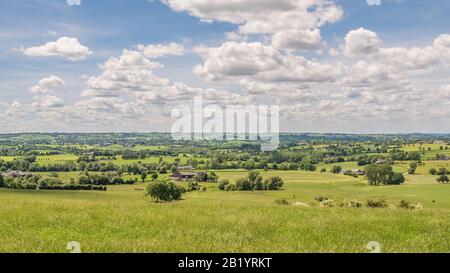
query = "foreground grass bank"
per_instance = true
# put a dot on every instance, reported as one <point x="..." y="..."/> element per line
<point x="122" y="220"/>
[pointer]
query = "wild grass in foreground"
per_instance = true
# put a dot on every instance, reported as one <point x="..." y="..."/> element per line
<point x="123" y="220"/>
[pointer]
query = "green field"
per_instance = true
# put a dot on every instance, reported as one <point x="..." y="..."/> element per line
<point x="123" y="220"/>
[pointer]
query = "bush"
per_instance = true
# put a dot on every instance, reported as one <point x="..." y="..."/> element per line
<point x="223" y="183"/>
<point x="374" y="203"/>
<point x="433" y="171"/>
<point x="336" y="169"/>
<point x="328" y="204"/>
<point x="351" y="204"/>
<point x="230" y="187"/>
<point x="442" y="171"/>
<point x="443" y="179"/>
<point x="404" y="204"/>
<point x="164" y="191"/>
<point x="244" y="184"/>
<point x="273" y="183"/>
<point x="2" y="181"/>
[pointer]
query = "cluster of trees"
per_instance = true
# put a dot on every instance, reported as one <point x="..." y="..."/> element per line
<point x="398" y="155"/>
<point x="164" y="191"/>
<point x="442" y="173"/>
<point x="365" y="160"/>
<point x="35" y="182"/>
<point x="383" y="174"/>
<point x="253" y="182"/>
<point x="110" y="178"/>
<point x="206" y="177"/>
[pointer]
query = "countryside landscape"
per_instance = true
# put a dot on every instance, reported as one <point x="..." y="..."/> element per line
<point x="229" y="135"/>
<point x="93" y="189"/>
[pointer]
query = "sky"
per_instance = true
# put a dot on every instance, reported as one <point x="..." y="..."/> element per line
<point x="350" y="66"/>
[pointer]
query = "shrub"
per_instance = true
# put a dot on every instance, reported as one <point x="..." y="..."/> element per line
<point x="336" y="169"/>
<point x="223" y="183"/>
<point x="375" y="203"/>
<point x="164" y="191"/>
<point x="230" y="187"/>
<point x="404" y="204"/>
<point x="328" y="204"/>
<point x="117" y="180"/>
<point x="282" y="202"/>
<point x="244" y="184"/>
<point x="273" y="183"/>
<point x="433" y="171"/>
<point x="443" y="179"/>
<point x="2" y="181"/>
<point x="352" y="204"/>
<point x="442" y="171"/>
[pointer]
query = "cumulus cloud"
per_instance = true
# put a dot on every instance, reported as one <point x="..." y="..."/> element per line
<point x="235" y="61"/>
<point x="263" y="16"/>
<point x="43" y="99"/>
<point x="69" y="48"/>
<point x="46" y="84"/>
<point x="15" y="110"/>
<point x="362" y="41"/>
<point x="160" y="50"/>
<point x="292" y="23"/>
<point x="298" y="39"/>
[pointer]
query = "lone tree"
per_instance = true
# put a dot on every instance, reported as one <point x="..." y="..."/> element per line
<point x="165" y="192"/>
<point x="412" y="168"/>
<point x="433" y="171"/>
<point x="144" y="176"/>
<point x="336" y="169"/>
<point x="379" y="174"/>
<point x="154" y="176"/>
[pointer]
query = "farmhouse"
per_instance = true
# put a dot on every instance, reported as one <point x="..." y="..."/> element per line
<point x="182" y="176"/>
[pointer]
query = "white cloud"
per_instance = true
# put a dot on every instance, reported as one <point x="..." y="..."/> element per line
<point x="236" y="61"/>
<point x="362" y="41"/>
<point x="15" y="110"/>
<point x="263" y="16"/>
<point x="292" y="23"/>
<point x="298" y="39"/>
<point x="43" y="102"/>
<point x="131" y="72"/>
<point x="65" y="47"/>
<point x="46" y="84"/>
<point x="160" y="50"/>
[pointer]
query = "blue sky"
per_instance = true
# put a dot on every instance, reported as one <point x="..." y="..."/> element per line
<point x="107" y="27"/>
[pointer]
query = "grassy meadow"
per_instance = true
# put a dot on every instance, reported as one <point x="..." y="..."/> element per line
<point x="123" y="220"/>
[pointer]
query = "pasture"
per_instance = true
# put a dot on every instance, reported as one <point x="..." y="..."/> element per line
<point x="123" y="220"/>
